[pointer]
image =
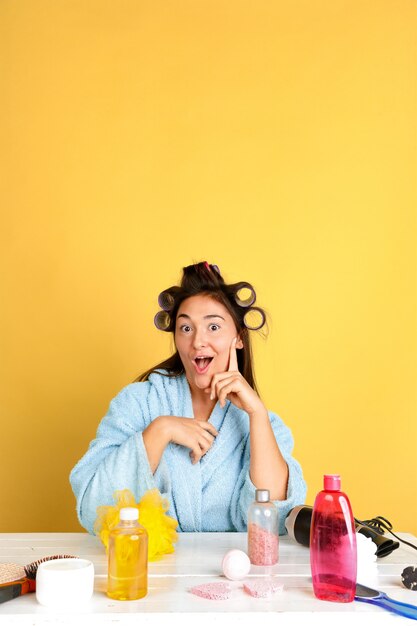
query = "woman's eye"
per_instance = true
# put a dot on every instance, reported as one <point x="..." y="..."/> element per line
<point x="186" y="329"/>
<point x="214" y="327"/>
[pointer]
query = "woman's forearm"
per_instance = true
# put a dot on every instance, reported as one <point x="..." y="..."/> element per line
<point x="268" y="469"/>
<point x="155" y="439"/>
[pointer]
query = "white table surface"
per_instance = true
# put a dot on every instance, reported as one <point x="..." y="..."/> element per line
<point x="196" y="560"/>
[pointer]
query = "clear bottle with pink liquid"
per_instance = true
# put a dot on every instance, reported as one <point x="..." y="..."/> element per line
<point x="263" y="530"/>
<point x="333" y="544"/>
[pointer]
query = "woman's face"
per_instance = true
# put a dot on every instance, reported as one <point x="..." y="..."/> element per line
<point x="204" y="331"/>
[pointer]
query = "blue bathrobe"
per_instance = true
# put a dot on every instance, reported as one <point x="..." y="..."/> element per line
<point x="212" y="495"/>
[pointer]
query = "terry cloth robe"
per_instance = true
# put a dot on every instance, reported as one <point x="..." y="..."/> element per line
<point x="212" y="495"/>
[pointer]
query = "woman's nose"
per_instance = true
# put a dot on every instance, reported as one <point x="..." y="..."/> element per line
<point x="199" y="339"/>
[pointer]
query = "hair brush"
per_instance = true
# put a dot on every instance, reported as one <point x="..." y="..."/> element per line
<point x="15" y="580"/>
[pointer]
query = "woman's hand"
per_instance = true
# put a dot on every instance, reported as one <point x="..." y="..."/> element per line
<point x="232" y="386"/>
<point x="190" y="433"/>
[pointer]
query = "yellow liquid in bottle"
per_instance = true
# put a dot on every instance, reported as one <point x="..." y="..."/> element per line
<point x="128" y="563"/>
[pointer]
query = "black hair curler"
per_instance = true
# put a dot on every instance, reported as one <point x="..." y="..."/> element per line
<point x="166" y="298"/>
<point x="162" y="320"/>
<point x="244" y="294"/>
<point x="254" y="318"/>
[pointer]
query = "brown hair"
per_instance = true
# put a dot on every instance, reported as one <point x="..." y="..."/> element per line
<point x="205" y="279"/>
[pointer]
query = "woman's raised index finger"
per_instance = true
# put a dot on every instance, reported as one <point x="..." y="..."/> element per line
<point x="233" y="367"/>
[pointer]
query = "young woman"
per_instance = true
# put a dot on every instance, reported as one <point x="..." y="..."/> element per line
<point x="194" y="426"/>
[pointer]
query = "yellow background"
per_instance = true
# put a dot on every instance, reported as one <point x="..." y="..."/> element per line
<point x="276" y="139"/>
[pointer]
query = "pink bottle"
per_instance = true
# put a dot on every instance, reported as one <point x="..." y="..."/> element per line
<point x="333" y="544"/>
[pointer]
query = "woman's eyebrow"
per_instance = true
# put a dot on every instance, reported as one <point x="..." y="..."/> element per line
<point x="206" y="317"/>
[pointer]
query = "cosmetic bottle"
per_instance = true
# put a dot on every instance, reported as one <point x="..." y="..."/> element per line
<point x="128" y="558"/>
<point x="263" y="530"/>
<point x="333" y="555"/>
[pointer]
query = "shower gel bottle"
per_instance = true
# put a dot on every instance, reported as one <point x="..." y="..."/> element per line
<point x="333" y="544"/>
<point x="128" y="558"/>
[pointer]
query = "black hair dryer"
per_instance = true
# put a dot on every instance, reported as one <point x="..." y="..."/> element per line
<point x="298" y="524"/>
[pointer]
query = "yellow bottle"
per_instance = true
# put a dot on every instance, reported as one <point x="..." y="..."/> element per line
<point x="128" y="558"/>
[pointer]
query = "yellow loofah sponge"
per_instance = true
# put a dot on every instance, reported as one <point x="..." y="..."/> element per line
<point x="152" y="516"/>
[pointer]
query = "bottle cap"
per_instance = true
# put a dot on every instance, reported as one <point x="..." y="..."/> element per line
<point x="332" y="482"/>
<point x="129" y="514"/>
<point x="262" y="495"/>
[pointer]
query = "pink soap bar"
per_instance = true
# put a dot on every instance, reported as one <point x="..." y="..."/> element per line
<point x="262" y="588"/>
<point x="212" y="591"/>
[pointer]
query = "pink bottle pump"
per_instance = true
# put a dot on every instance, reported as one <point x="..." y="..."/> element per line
<point x="333" y="553"/>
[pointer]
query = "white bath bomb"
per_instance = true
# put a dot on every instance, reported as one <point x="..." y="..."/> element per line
<point x="236" y="564"/>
